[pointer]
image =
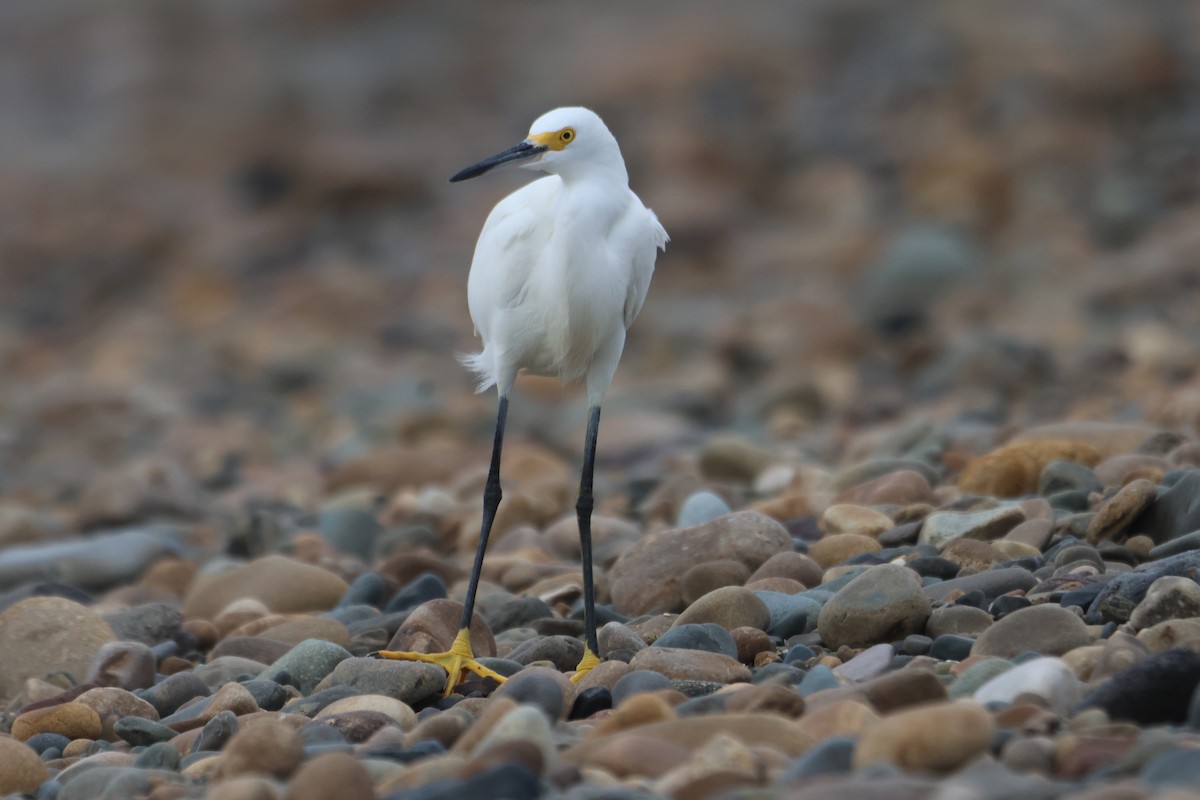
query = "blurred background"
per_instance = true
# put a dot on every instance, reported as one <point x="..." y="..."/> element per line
<point x="228" y="245"/>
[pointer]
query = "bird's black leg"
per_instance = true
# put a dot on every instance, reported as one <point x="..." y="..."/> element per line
<point x="459" y="657"/>
<point x="491" y="501"/>
<point x="583" y="511"/>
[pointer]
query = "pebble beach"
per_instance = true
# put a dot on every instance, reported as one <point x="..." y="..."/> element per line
<point x="898" y="485"/>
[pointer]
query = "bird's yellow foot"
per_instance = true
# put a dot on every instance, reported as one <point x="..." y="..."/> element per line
<point x="586" y="664"/>
<point x="458" y="660"/>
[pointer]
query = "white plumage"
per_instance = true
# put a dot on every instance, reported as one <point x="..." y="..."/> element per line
<point x="563" y="264"/>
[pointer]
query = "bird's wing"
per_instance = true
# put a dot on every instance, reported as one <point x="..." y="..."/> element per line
<point x="512" y="237"/>
<point x="653" y="239"/>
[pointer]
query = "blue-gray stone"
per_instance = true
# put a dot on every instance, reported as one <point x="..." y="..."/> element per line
<point x="701" y="507"/>
<point x="791" y="614"/>
<point x="1175" y="512"/>
<point x="368" y="589"/>
<point x="798" y="654"/>
<point x="310" y="706"/>
<point x="951" y="647"/>
<point x="778" y="672"/>
<point x="269" y="695"/>
<point x="142" y="732"/>
<point x="43" y="741"/>
<point x="636" y="682"/>
<point x="421" y="589"/>
<point x="833" y="756"/>
<point x="149" y="623"/>
<point x="351" y="530"/>
<point x="173" y="691"/>
<point x="1152" y="692"/>
<point x="537" y="688"/>
<point x="216" y="732"/>
<point x="307" y="663"/>
<point x="700" y="636"/>
<point x="97" y="562"/>
<point x="992" y="583"/>
<point x="1178" y="769"/>
<point x="818" y="679"/>
<point x="1122" y="594"/>
<point x="160" y="755"/>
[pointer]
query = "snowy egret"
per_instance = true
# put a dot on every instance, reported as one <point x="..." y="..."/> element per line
<point x="561" y="269"/>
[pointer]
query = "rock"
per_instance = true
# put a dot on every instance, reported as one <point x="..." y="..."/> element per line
<point x="992" y="583"/>
<point x="43" y="635"/>
<point x="525" y="723"/>
<point x="903" y="687"/>
<point x="1032" y="532"/>
<point x="901" y="487"/>
<point x="791" y="614"/>
<point x="710" y="576"/>
<point x="637" y="682"/>
<point x="867" y="664"/>
<point x="846" y="518"/>
<point x="976" y="675"/>
<point x="339" y="775"/>
<point x="216" y="732"/>
<point x="230" y="697"/>
<point x="547" y="689"/>
<point x="957" y="621"/>
<point x="832" y="756"/>
<point x="349" y="529"/>
<point x="709" y="637"/>
<point x="97" y="562"/>
<point x="20" y="768"/>
<point x="775" y="732"/>
<point x="113" y="704"/>
<point x="613" y="637"/>
<point x="1123" y="593"/>
<point x="1046" y="629"/>
<point x="294" y="631"/>
<point x="972" y="555"/>
<point x="791" y="565"/>
<point x="1049" y="679"/>
<point x="692" y="665"/>
<point x="830" y="551"/>
<point x="518" y="612"/>
<point x="1175" y="512"/>
<point x="1172" y="633"/>
<point x="271" y="747"/>
<point x="254" y="648"/>
<point x="919" y="267"/>
<point x="728" y="458"/>
<point x="564" y="652"/>
<point x="394" y="709"/>
<point x="885" y="603"/>
<point x="1114" y="516"/>
<point x="73" y="720"/>
<point x="307" y="663"/>
<point x="141" y="732"/>
<point x="1064" y="476"/>
<point x="149" y="623"/>
<point x="701" y="507"/>
<point x="749" y="642"/>
<point x="283" y="585"/>
<point x="936" y="738"/>
<point x="1169" y="597"/>
<point x="646" y="578"/>
<point x="169" y="694"/>
<point x="433" y="626"/>
<point x="1014" y="469"/>
<point x="1178" y="769"/>
<point x="1153" y="692"/>
<point x="127" y="665"/>
<point x="730" y="607"/>
<point x="409" y="681"/>
<point x="943" y="527"/>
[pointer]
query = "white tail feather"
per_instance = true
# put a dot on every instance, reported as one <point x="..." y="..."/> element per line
<point x="476" y="363"/>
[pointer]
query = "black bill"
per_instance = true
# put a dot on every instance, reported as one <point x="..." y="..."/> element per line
<point x="522" y="151"/>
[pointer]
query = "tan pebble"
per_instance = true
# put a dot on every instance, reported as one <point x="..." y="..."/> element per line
<point x="851" y="519"/>
<point x="282" y="584"/>
<point x="711" y="575"/>
<point x="433" y="626"/>
<point x="840" y="718"/>
<point x="1115" y="514"/>
<point x="493" y="712"/>
<point x="331" y="775"/>
<point x="273" y="748"/>
<point x="898" y="689"/>
<point x="693" y="731"/>
<point x="938" y="738"/>
<point x="77" y="747"/>
<point x="427" y="770"/>
<point x="1171" y="633"/>
<point x="789" y="505"/>
<point x="632" y="753"/>
<point x="73" y="720"/>
<point x="791" y="565"/>
<point x="901" y="487"/>
<point x="1012" y="549"/>
<point x="765" y="657"/>
<point x="606" y="674"/>
<point x="640" y="709"/>
<point x="751" y="642"/>
<point x="20" y="768"/>
<point x="830" y="551"/>
<point x="1141" y="545"/>
<point x="246" y="787"/>
<point x="652" y="628"/>
<point x="170" y="575"/>
<point x="783" y="585"/>
<point x="203" y="770"/>
<point x="730" y="607"/>
<point x="205" y="632"/>
<point x="112" y="704"/>
<point x="1121" y="470"/>
<point x="513" y="751"/>
<point x="972" y="554"/>
<point x="696" y="665"/>
<point x="231" y="697"/>
<point x="770" y="698"/>
<point x="1014" y="469"/>
<point x="43" y="635"/>
<point x="104" y="758"/>
<point x="1079" y="756"/>
<point x="238" y="615"/>
<point x="444" y="728"/>
<point x="294" y="631"/>
<point x="396" y="710"/>
<point x="722" y="763"/>
<point x="1033" y="533"/>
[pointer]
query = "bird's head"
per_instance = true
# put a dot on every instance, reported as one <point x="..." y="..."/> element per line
<point x="563" y="141"/>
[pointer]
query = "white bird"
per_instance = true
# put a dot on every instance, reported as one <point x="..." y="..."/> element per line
<point x="561" y="269"/>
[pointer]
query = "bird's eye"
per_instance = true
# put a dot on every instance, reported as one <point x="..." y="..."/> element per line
<point x="566" y="135"/>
